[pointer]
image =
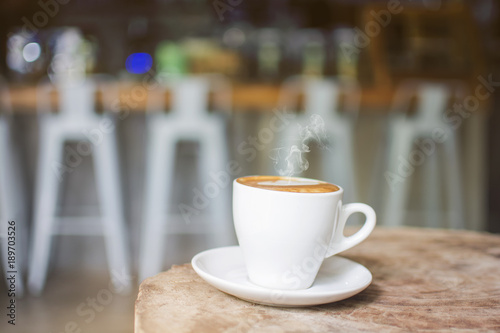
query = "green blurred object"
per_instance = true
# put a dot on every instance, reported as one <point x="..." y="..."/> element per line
<point x="313" y="59"/>
<point x="171" y="58"/>
<point x="269" y="58"/>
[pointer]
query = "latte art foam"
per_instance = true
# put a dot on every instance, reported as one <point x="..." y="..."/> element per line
<point x="288" y="184"/>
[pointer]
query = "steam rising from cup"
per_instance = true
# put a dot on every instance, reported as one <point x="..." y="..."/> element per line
<point x="289" y="161"/>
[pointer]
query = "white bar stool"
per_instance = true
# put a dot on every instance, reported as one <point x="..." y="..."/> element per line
<point x="77" y="121"/>
<point x="404" y="154"/>
<point x="188" y="119"/>
<point x="323" y="97"/>
<point x="13" y="236"/>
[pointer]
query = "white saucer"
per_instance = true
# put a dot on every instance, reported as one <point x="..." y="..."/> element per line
<point x="224" y="268"/>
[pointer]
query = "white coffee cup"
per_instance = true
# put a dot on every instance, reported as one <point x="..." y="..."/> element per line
<point x="285" y="236"/>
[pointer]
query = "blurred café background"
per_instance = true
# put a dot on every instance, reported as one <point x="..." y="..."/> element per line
<point x="124" y="122"/>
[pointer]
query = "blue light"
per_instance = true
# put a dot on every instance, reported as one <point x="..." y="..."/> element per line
<point x="139" y="63"/>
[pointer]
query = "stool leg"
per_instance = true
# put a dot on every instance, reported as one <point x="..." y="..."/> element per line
<point x="107" y="173"/>
<point x="46" y="193"/>
<point x="159" y="170"/>
<point x="338" y="163"/>
<point x="18" y="201"/>
<point x="213" y="159"/>
<point x="10" y="210"/>
<point x="454" y="182"/>
<point x="400" y="147"/>
<point x="333" y="169"/>
<point x="351" y="166"/>
<point x="377" y="178"/>
<point x="431" y="192"/>
<point x="342" y="159"/>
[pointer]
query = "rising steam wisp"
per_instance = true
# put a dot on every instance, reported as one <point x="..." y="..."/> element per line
<point x="289" y="161"/>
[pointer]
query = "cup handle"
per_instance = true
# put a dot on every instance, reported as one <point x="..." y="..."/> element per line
<point x="341" y="243"/>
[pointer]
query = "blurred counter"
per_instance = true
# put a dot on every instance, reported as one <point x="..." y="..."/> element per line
<point x="254" y="97"/>
<point x="246" y="97"/>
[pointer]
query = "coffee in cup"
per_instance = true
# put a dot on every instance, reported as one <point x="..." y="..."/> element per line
<point x="288" y="184"/>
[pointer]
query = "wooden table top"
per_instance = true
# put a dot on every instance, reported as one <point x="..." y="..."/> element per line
<point x="423" y="279"/>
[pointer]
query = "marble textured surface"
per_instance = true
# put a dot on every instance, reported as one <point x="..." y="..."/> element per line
<point x="423" y="280"/>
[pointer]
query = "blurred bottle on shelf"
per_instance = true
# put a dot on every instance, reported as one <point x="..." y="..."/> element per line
<point x="306" y="52"/>
<point x="269" y="53"/>
<point x="206" y="55"/>
<point x="346" y="62"/>
<point x="171" y="58"/>
<point x="314" y="58"/>
<point x="235" y="38"/>
<point x="73" y="56"/>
